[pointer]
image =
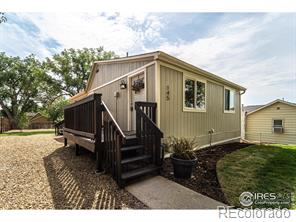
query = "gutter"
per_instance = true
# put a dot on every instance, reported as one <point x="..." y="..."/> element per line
<point x="243" y="92"/>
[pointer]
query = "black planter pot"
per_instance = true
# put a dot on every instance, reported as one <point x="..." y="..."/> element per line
<point x="182" y="168"/>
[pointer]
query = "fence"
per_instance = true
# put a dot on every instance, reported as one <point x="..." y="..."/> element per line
<point x="4" y="124"/>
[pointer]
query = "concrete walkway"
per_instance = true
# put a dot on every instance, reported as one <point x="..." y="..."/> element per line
<point x="161" y="193"/>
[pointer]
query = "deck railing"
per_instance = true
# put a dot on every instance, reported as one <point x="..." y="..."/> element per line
<point x="92" y="119"/>
<point x="84" y="118"/>
<point x="147" y="131"/>
<point x="114" y="139"/>
<point x="81" y="117"/>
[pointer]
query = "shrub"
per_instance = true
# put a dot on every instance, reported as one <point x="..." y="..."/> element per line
<point x="182" y="148"/>
<point x="22" y="121"/>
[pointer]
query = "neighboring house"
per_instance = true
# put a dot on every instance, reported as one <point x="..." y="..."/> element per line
<point x="274" y="122"/>
<point x="38" y="121"/>
<point x="245" y="110"/>
<point x="190" y="101"/>
<point x="4" y="124"/>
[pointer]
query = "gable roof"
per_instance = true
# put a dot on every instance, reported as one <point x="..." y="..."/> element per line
<point x="36" y="116"/>
<point x="30" y="115"/>
<point x="161" y="56"/>
<point x="271" y="103"/>
<point x="251" y="108"/>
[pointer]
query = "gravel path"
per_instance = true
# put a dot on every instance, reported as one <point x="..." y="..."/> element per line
<point x="37" y="172"/>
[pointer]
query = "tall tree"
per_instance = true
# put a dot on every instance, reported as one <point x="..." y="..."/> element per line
<point x="70" y="69"/>
<point x="55" y="110"/>
<point x="21" y="86"/>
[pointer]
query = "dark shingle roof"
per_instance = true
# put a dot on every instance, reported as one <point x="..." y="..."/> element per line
<point x="251" y="108"/>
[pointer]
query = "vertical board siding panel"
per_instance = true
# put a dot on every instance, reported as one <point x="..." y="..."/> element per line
<point x="109" y="99"/>
<point x="108" y="72"/>
<point x="179" y="92"/>
<point x="175" y="122"/>
<point x="171" y="108"/>
<point x="150" y="76"/>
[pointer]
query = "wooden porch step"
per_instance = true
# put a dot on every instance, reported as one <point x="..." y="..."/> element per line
<point x="131" y="136"/>
<point x="129" y="148"/>
<point x="131" y="141"/>
<point x="139" y="172"/>
<point x="134" y="159"/>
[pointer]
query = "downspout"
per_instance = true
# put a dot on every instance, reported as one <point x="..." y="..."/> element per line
<point x="245" y="118"/>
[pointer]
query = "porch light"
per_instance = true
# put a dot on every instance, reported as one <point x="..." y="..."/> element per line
<point x="123" y="85"/>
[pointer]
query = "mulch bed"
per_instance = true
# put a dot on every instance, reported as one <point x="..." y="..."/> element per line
<point x="204" y="178"/>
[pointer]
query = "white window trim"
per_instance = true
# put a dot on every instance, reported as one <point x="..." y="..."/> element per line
<point x="282" y="119"/>
<point x="272" y="125"/>
<point x="231" y="89"/>
<point x="194" y="78"/>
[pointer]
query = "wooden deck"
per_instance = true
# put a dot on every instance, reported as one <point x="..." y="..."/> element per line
<point x="85" y="142"/>
<point x="125" y="155"/>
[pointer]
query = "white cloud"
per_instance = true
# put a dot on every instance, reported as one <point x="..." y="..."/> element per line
<point x="255" y="51"/>
<point x="16" y="41"/>
<point x="79" y="30"/>
<point x="236" y="51"/>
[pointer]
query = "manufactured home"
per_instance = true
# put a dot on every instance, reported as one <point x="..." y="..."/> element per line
<point x="174" y="97"/>
<point x="274" y="122"/>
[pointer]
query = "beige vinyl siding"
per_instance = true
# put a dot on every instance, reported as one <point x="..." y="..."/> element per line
<point x="109" y="72"/>
<point x="259" y="124"/>
<point x="176" y="122"/>
<point x="122" y="101"/>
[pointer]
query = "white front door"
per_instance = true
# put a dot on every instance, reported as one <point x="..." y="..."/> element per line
<point x="139" y="95"/>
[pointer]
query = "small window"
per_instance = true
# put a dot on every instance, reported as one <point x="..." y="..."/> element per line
<point x="278" y="126"/>
<point x="229" y="100"/>
<point x="194" y="94"/>
<point x="200" y="95"/>
<point x="277" y="123"/>
<point x="189" y="93"/>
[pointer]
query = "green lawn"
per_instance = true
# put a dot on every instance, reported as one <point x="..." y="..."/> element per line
<point x="258" y="169"/>
<point x="27" y="132"/>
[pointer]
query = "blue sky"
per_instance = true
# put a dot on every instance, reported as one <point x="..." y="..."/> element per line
<point x="255" y="50"/>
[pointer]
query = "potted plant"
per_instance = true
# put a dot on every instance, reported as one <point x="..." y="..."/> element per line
<point x="183" y="156"/>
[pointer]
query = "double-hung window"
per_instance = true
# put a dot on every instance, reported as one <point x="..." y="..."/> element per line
<point x="278" y="126"/>
<point x="194" y="94"/>
<point x="229" y="100"/>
